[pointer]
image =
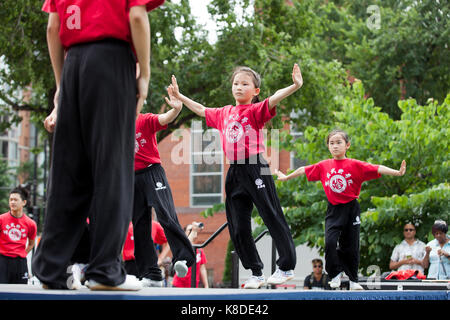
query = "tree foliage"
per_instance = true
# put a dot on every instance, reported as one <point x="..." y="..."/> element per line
<point x="421" y="196"/>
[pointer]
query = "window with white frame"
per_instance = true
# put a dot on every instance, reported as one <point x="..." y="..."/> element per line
<point x="9" y="140"/>
<point x="206" y="171"/>
<point x="295" y="158"/>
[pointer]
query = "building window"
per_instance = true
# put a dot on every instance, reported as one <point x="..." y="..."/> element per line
<point x="10" y="144"/>
<point x="206" y="167"/>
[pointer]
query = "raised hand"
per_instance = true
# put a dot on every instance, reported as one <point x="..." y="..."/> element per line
<point x="402" y="170"/>
<point x="173" y="101"/>
<point x="297" y="76"/>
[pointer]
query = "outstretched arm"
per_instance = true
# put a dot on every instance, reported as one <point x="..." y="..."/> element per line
<point x="282" y="177"/>
<point x="170" y="115"/>
<point x="285" y="92"/>
<point x="195" y="107"/>
<point x="391" y="172"/>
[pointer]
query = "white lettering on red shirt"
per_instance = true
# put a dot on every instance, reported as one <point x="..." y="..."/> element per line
<point x="341" y="179"/>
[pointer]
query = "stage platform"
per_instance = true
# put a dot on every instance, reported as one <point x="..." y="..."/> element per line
<point x="30" y="292"/>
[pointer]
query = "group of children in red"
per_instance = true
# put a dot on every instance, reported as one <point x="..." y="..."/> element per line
<point x="95" y="139"/>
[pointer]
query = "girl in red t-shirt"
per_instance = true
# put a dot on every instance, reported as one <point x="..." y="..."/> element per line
<point x="341" y="179"/>
<point x="249" y="180"/>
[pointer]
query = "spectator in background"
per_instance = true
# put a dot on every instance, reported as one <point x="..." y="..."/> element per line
<point x="192" y="232"/>
<point x="410" y="253"/>
<point x="17" y="238"/>
<point x="438" y="252"/>
<point x="317" y="280"/>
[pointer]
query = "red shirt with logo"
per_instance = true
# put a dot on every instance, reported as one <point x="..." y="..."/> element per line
<point x="240" y="127"/>
<point x="158" y="237"/>
<point x="146" y="147"/>
<point x="92" y="20"/>
<point x="185" y="282"/>
<point x="341" y="179"/>
<point x="14" y="233"/>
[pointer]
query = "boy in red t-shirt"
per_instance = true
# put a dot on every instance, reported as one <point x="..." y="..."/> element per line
<point x="341" y="179"/>
<point x="96" y="106"/>
<point x="249" y="181"/>
<point x="17" y="238"/>
<point x="152" y="190"/>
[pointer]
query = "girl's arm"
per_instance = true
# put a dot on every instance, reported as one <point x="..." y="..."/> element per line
<point x="285" y="92"/>
<point x="195" y="107"/>
<point x="391" y="172"/>
<point x="282" y="177"/>
<point x="170" y="115"/>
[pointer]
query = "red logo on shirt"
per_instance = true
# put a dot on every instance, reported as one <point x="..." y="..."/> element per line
<point x="15" y="232"/>
<point x="338" y="180"/>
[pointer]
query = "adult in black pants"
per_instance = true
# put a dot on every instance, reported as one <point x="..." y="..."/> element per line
<point x="92" y="161"/>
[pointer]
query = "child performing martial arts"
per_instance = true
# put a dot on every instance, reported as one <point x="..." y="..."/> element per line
<point x="91" y="49"/>
<point x="341" y="179"/>
<point x="152" y="191"/>
<point x="248" y="180"/>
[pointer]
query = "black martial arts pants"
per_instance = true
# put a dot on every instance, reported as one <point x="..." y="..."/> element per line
<point x="251" y="184"/>
<point x="152" y="190"/>
<point x="92" y="169"/>
<point x="13" y="270"/>
<point x="342" y="227"/>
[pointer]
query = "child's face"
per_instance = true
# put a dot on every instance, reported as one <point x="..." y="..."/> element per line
<point x="338" y="146"/>
<point x="243" y="88"/>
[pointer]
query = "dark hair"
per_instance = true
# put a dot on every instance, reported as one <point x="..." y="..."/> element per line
<point x="317" y="261"/>
<point x="338" y="131"/>
<point x="439" y="225"/>
<point x="255" y="77"/>
<point x="23" y="192"/>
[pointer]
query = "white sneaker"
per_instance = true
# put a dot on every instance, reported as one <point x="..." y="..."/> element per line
<point x="181" y="268"/>
<point x="74" y="282"/>
<point x="280" y="276"/>
<point x="146" y="282"/>
<point x="131" y="284"/>
<point x="355" y="286"/>
<point x="336" y="281"/>
<point x="254" y="282"/>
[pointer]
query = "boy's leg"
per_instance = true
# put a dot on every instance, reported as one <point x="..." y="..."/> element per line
<point x="69" y="187"/>
<point x="107" y="94"/>
<point x="144" y="248"/>
<point x="239" y="208"/>
<point x="160" y="197"/>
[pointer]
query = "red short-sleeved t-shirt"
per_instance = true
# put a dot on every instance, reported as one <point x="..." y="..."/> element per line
<point x="146" y="147"/>
<point x="240" y="127"/>
<point x="341" y="179"/>
<point x="14" y="233"/>
<point x="93" y="20"/>
<point x="185" y="282"/>
<point x="158" y="237"/>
